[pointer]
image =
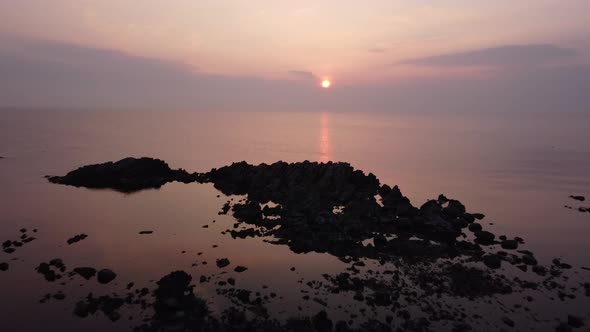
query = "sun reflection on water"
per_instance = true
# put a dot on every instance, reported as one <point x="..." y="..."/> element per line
<point x="325" y="142"/>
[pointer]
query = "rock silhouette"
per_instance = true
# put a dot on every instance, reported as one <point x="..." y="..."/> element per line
<point x="125" y="175"/>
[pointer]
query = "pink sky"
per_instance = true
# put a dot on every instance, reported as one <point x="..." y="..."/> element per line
<point x="347" y="41"/>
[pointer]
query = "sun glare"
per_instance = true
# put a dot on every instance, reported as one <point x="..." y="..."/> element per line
<point x="326" y="84"/>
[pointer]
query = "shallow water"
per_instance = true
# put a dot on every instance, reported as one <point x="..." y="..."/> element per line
<point x="518" y="169"/>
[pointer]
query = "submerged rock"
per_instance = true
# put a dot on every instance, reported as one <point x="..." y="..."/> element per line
<point x="125" y="175"/>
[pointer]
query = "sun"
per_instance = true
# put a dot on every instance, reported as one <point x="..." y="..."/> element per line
<point x="326" y="84"/>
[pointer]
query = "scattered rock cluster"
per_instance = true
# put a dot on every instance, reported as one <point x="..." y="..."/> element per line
<point x="580" y="199"/>
<point x="429" y="253"/>
<point x="10" y="246"/>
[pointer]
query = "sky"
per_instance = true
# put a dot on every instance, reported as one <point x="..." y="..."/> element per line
<point x="186" y="54"/>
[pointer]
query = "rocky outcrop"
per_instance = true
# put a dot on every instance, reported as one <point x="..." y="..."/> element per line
<point x="126" y="175"/>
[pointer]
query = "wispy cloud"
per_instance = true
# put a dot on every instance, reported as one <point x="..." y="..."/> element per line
<point x="378" y="50"/>
<point x="303" y="74"/>
<point x="49" y="74"/>
<point x="508" y="55"/>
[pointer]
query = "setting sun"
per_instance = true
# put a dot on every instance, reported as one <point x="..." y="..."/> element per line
<point x="326" y="84"/>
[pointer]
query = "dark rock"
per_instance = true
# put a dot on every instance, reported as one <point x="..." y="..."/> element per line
<point x="240" y="268"/>
<point x="77" y="238"/>
<point x="478" y="216"/>
<point x="508" y="321"/>
<point x="85" y="272"/>
<point x="223" y="262"/>
<point x="322" y="323"/>
<point x="3" y="266"/>
<point x="578" y="198"/>
<point x="510" y="244"/>
<point x="475" y="227"/>
<point x="126" y="175"/>
<point x="538" y="269"/>
<point x="492" y="261"/>
<point x="105" y="276"/>
<point x="51" y="271"/>
<point x="529" y="260"/>
<point x="484" y="237"/>
<point x="563" y="327"/>
<point x="82" y="309"/>
<point x="146" y="232"/>
<point x="575" y="321"/>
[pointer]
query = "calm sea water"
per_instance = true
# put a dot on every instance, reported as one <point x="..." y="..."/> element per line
<point x="518" y="169"/>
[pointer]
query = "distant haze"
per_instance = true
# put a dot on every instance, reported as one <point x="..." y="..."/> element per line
<point x="268" y="55"/>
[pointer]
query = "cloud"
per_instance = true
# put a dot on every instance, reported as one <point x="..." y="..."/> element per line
<point x="303" y="74"/>
<point x="509" y="55"/>
<point x="41" y="74"/>
<point x="377" y="50"/>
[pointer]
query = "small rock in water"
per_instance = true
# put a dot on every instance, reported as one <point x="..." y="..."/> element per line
<point x="146" y="232"/>
<point x="240" y="268"/>
<point x="223" y="262"/>
<point x="478" y="216"/>
<point x="105" y="276"/>
<point x="77" y="238"/>
<point x="578" y="198"/>
<point x="3" y="266"/>
<point x="85" y="272"/>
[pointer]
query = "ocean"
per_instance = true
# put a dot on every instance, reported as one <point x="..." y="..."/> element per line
<point x="519" y="169"/>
